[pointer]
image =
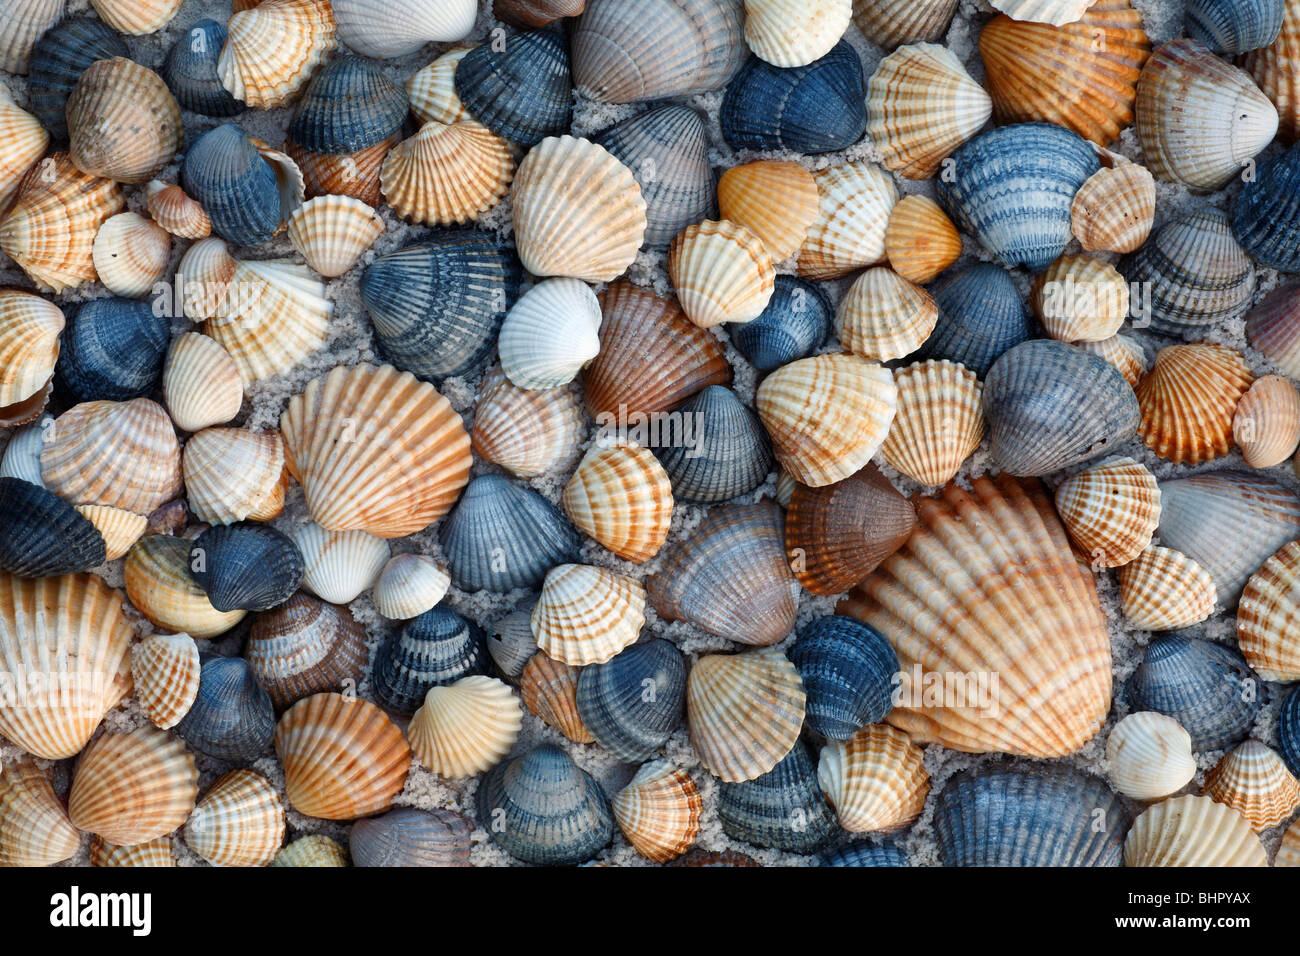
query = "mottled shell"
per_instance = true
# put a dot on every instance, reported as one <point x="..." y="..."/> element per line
<point x="239" y="821"/>
<point x="165" y="671"/>
<point x="1253" y="780"/>
<point x="722" y="272"/>
<point x="34" y="827"/>
<point x="272" y="50"/>
<point x="1268" y="617"/>
<point x="447" y="174"/>
<point x="1188" y="400"/>
<point x="1164" y="590"/>
<point x="1111" y="511"/>
<point x="123" y="122"/>
<point x="1115" y="209"/>
<point x="659" y="811"/>
<point x="233" y="474"/>
<point x="339" y="565"/>
<point x="920" y="240"/>
<point x="621" y="496"/>
<point x="1266" y="424"/>
<point x="1149" y="756"/>
<point x="409" y="585"/>
<point x="853" y="215"/>
<point x="303" y="647"/>
<point x="884" y="316"/>
<point x="874" y="780"/>
<point x="1079" y="298"/>
<point x="466" y="727"/>
<point x="939" y="423"/>
<point x="526" y="432"/>
<point x="158" y="582"/>
<point x="775" y="200"/>
<point x="586" y="614"/>
<point x="201" y="384"/>
<point x="550" y="692"/>
<point x="1192" y="831"/>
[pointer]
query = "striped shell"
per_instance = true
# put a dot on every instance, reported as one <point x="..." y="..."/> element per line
<point x="158" y="582"/>
<point x="1266" y="424"/>
<point x="34" y="827"/>
<point x="939" y="423"/>
<point x="891" y="23"/>
<point x="884" y="316"/>
<point x="1149" y="756"/>
<point x="466" y="727"/>
<point x="1164" y="590"/>
<point x="305" y="646"/>
<point x="1126" y="355"/>
<point x="333" y="232"/>
<point x="339" y="565"/>
<point x="920" y="239"/>
<point x="123" y="122"/>
<point x="29" y="345"/>
<point x="1253" y="780"/>
<point x="550" y="334"/>
<point x="1188" y="400"/>
<point x="722" y="272"/>
<point x="794" y="32"/>
<point x="1269" y="616"/>
<point x="239" y="821"/>
<point x="312" y="850"/>
<point x="659" y="811"/>
<point x="137" y="17"/>
<point x="165" y="670"/>
<point x="21" y="24"/>
<point x="201" y="383"/>
<point x="119" y="529"/>
<point x="233" y="474"/>
<point x="1053" y="12"/>
<point x="550" y="692"/>
<point x="1110" y="510"/>
<point x="775" y="200"/>
<point x="409" y="585"/>
<point x="1079" y="298"/>
<point x="381" y="29"/>
<point x="874" y="780"/>
<point x="1192" y="831"/>
<point x="130" y="254"/>
<point x="621" y="496"/>
<point x="272" y="50"/>
<point x="176" y="212"/>
<point x="154" y="853"/>
<point x="1273" y="68"/>
<point x="526" y="432"/>
<point x="853" y="215"/>
<point x="1115" y="209"/>
<point x="447" y="174"/>
<point x="586" y="614"/>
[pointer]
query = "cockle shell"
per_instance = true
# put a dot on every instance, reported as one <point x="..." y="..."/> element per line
<point x="1149" y="756"/>
<point x="526" y="432"/>
<point x="874" y="780"/>
<point x="158" y="583"/>
<point x="34" y="827"/>
<point x="1231" y="28"/>
<point x="1253" y="780"/>
<point x="24" y="139"/>
<point x="750" y="195"/>
<point x="123" y="122"/>
<point x="864" y="853"/>
<point x="436" y="649"/>
<point x="409" y="837"/>
<point x="790" y="33"/>
<point x="659" y="811"/>
<point x="1188" y="400"/>
<point x="728" y="454"/>
<point x="884" y="316"/>
<point x="137" y="17"/>
<point x="339" y="565"/>
<point x="58" y="59"/>
<point x="510" y="640"/>
<point x="891" y="23"/>
<point x="312" y="850"/>
<point x="190" y="70"/>
<point x="722" y="272"/>
<point x="1081" y="299"/>
<point x="982" y="316"/>
<point x="1192" y="831"/>
<point x="550" y="334"/>
<point x="239" y="821"/>
<point x="113" y="350"/>
<point x="1111" y="510"/>
<point x="447" y="174"/>
<point x="783" y="809"/>
<point x="21" y="24"/>
<point x="549" y="689"/>
<point x="522" y="90"/>
<point x="1273" y="68"/>
<point x="165" y="671"/>
<point x="119" y="529"/>
<point x="1054" y="12"/>
<point x="333" y="232"/>
<point x="939" y="423"/>
<point x="41" y="535"/>
<point x="848" y="673"/>
<point x="409" y="585"/>
<point x="29" y="344"/>
<point x="621" y="496"/>
<point x="272" y="50"/>
<point x="1269" y="615"/>
<point x="1273" y="328"/>
<point x="22" y="455"/>
<point x="586" y="614"/>
<point x="466" y="727"/>
<point x="201" y="383"/>
<point x="920" y="240"/>
<point x="249" y="566"/>
<point x="1266" y="424"/>
<point x="432" y="90"/>
<point x="303" y="647"/>
<point x="1114" y="209"/>
<point x="348" y="107"/>
<point x="634" y="702"/>
<point x="1163" y="590"/>
<point x="1126" y="355"/>
<point x="232" y="718"/>
<point x="853" y="215"/>
<point x="130" y="254"/>
<point x="346" y="174"/>
<point x="383" y="28"/>
<point x="535" y="13"/>
<point x="234" y="474"/>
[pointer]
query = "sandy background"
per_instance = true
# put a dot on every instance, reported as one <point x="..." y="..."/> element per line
<point x="351" y="342"/>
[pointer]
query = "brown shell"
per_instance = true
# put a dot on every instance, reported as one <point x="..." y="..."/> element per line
<point x="305" y="646"/>
<point x="1267" y="422"/>
<point x="550" y="692"/>
<point x="535" y="13"/>
<point x="1188" y="400"/>
<point x="1252" y="779"/>
<point x="355" y="175"/>
<point x="920" y="240"/>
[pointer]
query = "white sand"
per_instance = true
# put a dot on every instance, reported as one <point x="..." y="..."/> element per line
<point x="351" y="342"/>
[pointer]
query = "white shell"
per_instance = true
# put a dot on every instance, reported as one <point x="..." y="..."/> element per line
<point x="550" y="334"/>
<point x="22" y="456"/>
<point x="386" y="28"/>
<point x="339" y="564"/>
<point x="409" y="585"/>
<point x="795" y="32"/>
<point x="1149" y="756"/>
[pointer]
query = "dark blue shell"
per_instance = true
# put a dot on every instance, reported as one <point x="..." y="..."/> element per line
<point x="818" y="108"/>
<point x="783" y="809"/>
<point x="1206" y="687"/>
<point x="227" y="176"/>
<point x="1288" y="731"/>
<point x="1233" y="27"/>
<point x="405" y="836"/>
<point x="864" y="853"/>
<point x="249" y="567"/>
<point x="437" y="306"/>
<point x="667" y="150"/>
<point x="435" y="649"/>
<point x="1050" y="405"/>
<point x="1010" y="818"/>
<point x="348" y="106"/>
<point x="796" y="322"/>
<point x="542" y="808"/>
<point x="848" y="673"/>
<point x="981" y="316"/>
<point x="1266" y="220"/>
<point x="113" y="350"/>
<point x="41" y="535"/>
<point x="730" y="453"/>
<point x="502" y="536"/>
<point x="232" y="718"/>
<point x="190" y="71"/>
<point x="522" y="91"/>
<point x="1013" y="189"/>
<point x="58" y="59"/>
<point x="633" y="702"/>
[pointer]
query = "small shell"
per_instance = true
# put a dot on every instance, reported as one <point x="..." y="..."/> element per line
<point x="465" y="728"/>
<point x="34" y="827"/>
<point x="535" y="13"/>
<point x="155" y="853"/>
<point x="58" y="59"/>
<point x="272" y="50"/>
<point x="239" y="821"/>
<point x="1232" y="27"/>
<point x="775" y="200"/>
<point x="200" y="383"/>
<point x="158" y="583"/>
<point x="22" y="456"/>
<point x="246" y="190"/>
<point x="349" y="106"/>
<point x="380" y="29"/>
<point x="251" y="567"/>
<point x="232" y="718"/>
<point x="1163" y="590"/>
<point x="303" y="647"/>
<point x="409" y="585"/>
<point x="939" y="424"/>
<point x="1269" y="614"/>
<point x="884" y="316"/>
<point x="1080" y="298"/>
<point x="1054" y="12"/>
<point x="920" y="240"/>
<point x="312" y="850"/>
<point x="622" y="497"/>
<point x="137" y="17"/>
<point x="848" y="673"/>
<point x="550" y="692"/>
<point x="783" y="808"/>
<point x="165" y="671"/>
<point x="789" y="33"/>
<point x="550" y="334"/>
<point x="853" y="215"/>
<point x="1110" y="510"/>
<point x="130" y="254"/>
<point x="435" y="649"/>
<point x="586" y="614"/>
<point x="728" y="454"/>
<point x="24" y="139"/>
<point x="526" y="432"/>
<point x="119" y="529"/>
<point x="29" y="344"/>
<point x="333" y="232"/>
<point x="21" y="24"/>
<point x="1114" y="210"/>
<point x="406" y="836"/>
<point x="1254" y="781"/>
<point x="659" y="811"/>
<point x="874" y="780"/>
<point x="123" y="122"/>
<point x="1125" y="354"/>
<point x="432" y="90"/>
<point x="722" y="273"/>
<point x="344" y="174"/>
<point x="795" y="324"/>
<point x="1192" y="831"/>
<point x="633" y="703"/>
<point x="1266" y="423"/>
<point x="864" y="853"/>
<point x="1188" y="400"/>
<point x="339" y="565"/>
<point x="447" y="174"/>
<point x="1149" y="756"/>
<point x="510" y="641"/>
<point x="233" y="474"/>
<point x="982" y="316"/>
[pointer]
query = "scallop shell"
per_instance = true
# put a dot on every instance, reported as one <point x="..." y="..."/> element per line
<point x="1114" y="210"/>
<point x="722" y="272"/>
<point x="272" y="50"/>
<point x="1192" y="831"/>
<point x="131" y="254"/>
<point x="406" y="836"/>
<point x="165" y="671"/>
<point x="447" y="174"/>
<point x="1050" y="700"/>
<point x="339" y="565"/>
<point x="232" y="718"/>
<point x="467" y="727"/>
<point x="312" y="850"/>
<point x="659" y="811"/>
<point x="34" y="827"/>
<point x="1253" y="781"/>
<point x="1111" y="511"/>
<point x="884" y="316"/>
<point x="550" y="334"/>
<point x="550" y="692"/>
<point x="586" y="614"/>
<point x="158" y="583"/>
<point x="874" y="780"/>
<point x="526" y="432"/>
<point x="246" y="189"/>
<point x="333" y="232"/>
<point x="521" y="90"/>
<point x="853" y="214"/>
<point x="252" y="567"/>
<point x="1268" y="616"/>
<point x="234" y="474"/>
<point x="23" y="137"/>
<point x="303" y="647"/>
<point x="788" y="33"/>
<point x="21" y="24"/>
<point x="1163" y="590"/>
<point x="119" y="529"/>
<point x="891" y="23"/>
<point x="982" y="316"/>
<point x="239" y="821"/>
<point x="1126" y="355"/>
<point x="920" y="240"/>
<point x="848" y="673"/>
<point x="783" y="809"/>
<point x="382" y="28"/>
<point x="1149" y="756"/>
<point x="1080" y="298"/>
<point x="1266" y="423"/>
<point x="939" y="423"/>
<point x="1273" y="68"/>
<point x="437" y="648"/>
<point x="634" y="702"/>
<point x="432" y="90"/>
<point x="1188" y="400"/>
<point x="535" y="13"/>
<point x="409" y="585"/>
<point x="29" y="344"/>
<point x="201" y="383"/>
<point x="137" y="17"/>
<point x="1053" y="12"/>
<point x="340" y="439"/>
<point x="343" y="758"/>
<point x="775" y="200"/>
<point x="1273" y="328"/>
<point x="621" y="496"/>
<point x="123" y="122"/>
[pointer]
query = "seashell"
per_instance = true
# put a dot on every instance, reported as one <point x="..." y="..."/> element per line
<point x="1125" y="354"/>
<point x="435" y="649"/>
<point x="535" y="13"/>
<point x="1050" y="405"/>
<point x="744" y="712"/>
<point x="132" y="788"/>
<point x="627" y="51"/>
<point x="667" y="149"/>
<point x="467" y="727"/>
<point x="171" y="518"/>
<point x="272" y="50"/>
<point x="920" y="241"/>
<point x="343" y="757"/>
<point x="939" y="423"/>
<point x="1287" y="730"/>
<point x="22" y="455"/>
<point x="891" y="23"/>
<point x="1198" y="277"/>
<point x="652" y="358"/>
<point x="165" y="670"/>
<point x="1252" y="780"/>
<point x="786" y="33"/>
<point x="730" y="577"/>
<point x="158" y="583"/>
<point x="520" y="90"/>
<point x="1111" y="510"/>
<point x="729" y="455"/>
<point x="982" y="316"/>
<point x="34" y="827"/>
<point x="333" y="232"/>
<point x="58" y="59"/>
<point x="811" y="109"/>
<point x="346" y="174"/>
<point x="552" y="813"/>
<point x="559" y="186"/>
<point x="853" y="214"/>
<point x="782" y="809"/>
<point x="22" y="22"/>
<point x="236" y="185"/>
<point x="120" y="454"/>
<point x="884" y="316"/>
<point x="119" y="529"/>
<point x="510" y="640"/>
<point x="24" y="139"/>
<point x="312" y="850"/>
<point x="1105" y="48"/>
<point x="1205" y="687"/>
<point x="838" y="534"/>
<point x="137" y="17"/>
<point x="1266" y="618"/>
<point x="382" y="29"/>
<point x="1273" y="330"/>
<point x="586" y="614"/>
<point x="370" y="405"/>
<point x="1232" y="28"/>
<point x="1115" y="209"/>
<point x="1060" y="693"/>
<point x="1149" y="756"/>
<point x="525" y="432"/>
<point x="1053" y="12"/>
<point x="248" y="567"/>
<point x="447" y="174"/>
<point x="432" y="90"/>
<point x="1266" y="423"/>
<point x="549" y="689"/>
<point x="847" y="669"/>
<point x="113" y="351"/>
<point x="200" y="383"/>
<point x="1192" y="831"/>
<point x="205" y="273"/>
<point x="818" y="448"/>
<point x="796" y="322"/>
<point x="1163" y="590"/>
<point x="130" y="254"/>
<point x="722" y="272"/>
<point x="864" y="854"/>
<point x="1266" y="219"/>
<point x="437" y="306"/>
<point x="1080" y="298"/>
<point x="503" y="536"/>
<point x="405" y="836"/>
<point x="231" y="718"/>
<point x="550" y="334"/>
<point x="1015" y="818"/>
<point x="348" y="106"/>
<point x="155" y="853"/>
<point x="409" y="585"/>
<point x="74" y="625"/>
<point x="874" y="780"/>
<point x="1016" y="190"/>
<point x="922" y="105"/>
<point x="632" y="703"/>
<point x="233" y="474"/>
<point x="50" y="229"/>
<point x="659" y="811"/>
<point x="239" y="821"/>
<point x="41" y="535"/>
<point x="1233" y="122"/>
<point x="190" y="71"/>
<point x="123" y="122"/>
<point x="304" y="647"/>
<point x="1271" y="68"/>
<point x="622" y="497"/>
<point x="751" y="195"/>
<point x="29" y="344"/>
<point x="1188" y="400"/>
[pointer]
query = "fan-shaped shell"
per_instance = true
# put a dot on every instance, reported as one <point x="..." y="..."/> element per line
<point x="34" y="827"/>
<point x="1111" y="510"/>
<point x="435" y="649"/>
<point x="239" y="821"/>
<point x="783" y="808"/>
<point x="727" y="455"/>
<point x="1163" y="590"/>
<point x="1125" y="354"/>
<point x="123" y="122"/>
<point x="510" y="640"/>
<point x="632" y="703"/>
<point x="432" y="90"/>
<point x="982" y="316"/>
<point x="23" y="137"/>
<point x="348" y="107"/>
<point x="1192" y="831"/>
<point x="201" y="383"/>
<point x="272" y="50"/>
<point x="1273" y="328"/>
<point x="154" y="853"/>
<point x="1114" y="209"/>
<point x="1230" y="27"/>
<point x="520" y="90"/>
<point x="848" y="673"/>
<point x="1080" y="298"/>
<point x="29" y="344"/>
<point x="232" y="718"/>
<point x="621" y="496"/>
<point x="191" y="70"/>
<point x="233" y="474"/>
<point x="776" y="200"/>
<point x="130" y="254"/>
<point x="406" y="836"/>
<point x="1254" y="781"/>
<point x="549" y="689"/>
<point x="526" y="432"/>
<point x="304" y="647"/>
<point x="891" y="23"/>
<point x="855" y="202"/>
<point x="939" y="423"/>
<point x="467" y="727"/>
<point x="1053" y="12"/>
<point x="119" y="529"/>
<point x="58" y="59"/>
<point x="42" y="535"/>
<point x="382" y="29"/>
<point x="550" y="334"/>
<point x="586" y="614"/>
<point x="1273" y="69"/>
<point x="165" y="671"/>
<point x="312" y="850"/>
<point x="23" y="22"/>
<point x="659" y="811"/>
<point x="333" y="232"/>
<point x="1149" y="756"/>
<point x="722" y="272"/>
<point x="874" y="780"/>
<point x="1269" y="615"/>
<point x="1188" y="400"/>
<point x="535" y="13"/>
<point x="137" y="17"/>
<point x="447" y="174"/>
<point x="409" y="585"/>
<point x="1266" y="423"/>
<point x="920" y="240"/>
<point x="158" y="583"/>
<point x="339" y="565"/>
<point x="884" y="316"/>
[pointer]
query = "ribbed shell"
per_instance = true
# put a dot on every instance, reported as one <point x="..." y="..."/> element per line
<point x="1188" y="400"/>
<point x="1149" y="756"/>
<point x="874" y="780"/>
<point x="1192" y="831"/>
<point x="550" y="692"/>
<point x="249" y="567"/>
<point x="587" y="614"/>
<point x="41" y="535"/>
<point x="891" y="23"/>
<point x="137" y="17"/>
<point x="535" y="13"/>
<point x="165" y="671"/>
<point x="659" y="811"/>
<point x="939" y="423"/>
<point x="1163" y="590"/>
<point x="520" y="90"/>
<point x="1232" y="27"/>
<point x="775" y="200"/>
<point x="201" y="383"/>
<point x="409" y="585"/>
<point x="25" y="140"/>
<point x="1080" y="298"/>
<point x="783" y="808"/>
<point x="1268" y="617"/>
<point x="864" y="853"/>
<point x="313" y="850"/>
<point x="622" y="497"/>
<point x="191" y="70"/>
<point x="526" y="432"/>
<point x="232" y="718"/>
<point x="884" y="316"/>
<point x="1110" y="510"/>
<point x="158" y="582"/>
<point x="848" y="234"/>
<point x="1124" y="353"/>
<point x="727" y="455"/>
<point x="119" y="529"/>
<point x="722" y="272"/>
<point x="1054" y="12"/>
<point x="447" y="174"/>
<point x="233" y="474"/>
<point x="467" y="727"/>
<point x="1273" y="68"/>
<point x="381" y="29"/>
<point x="510" y="640"/>
<point x="239" y="821"/>
<point x="1266" y="424"/>
<point x="432" y="90"/>
<point x="123" y="122"/>
<point x="550" y="334"/>
<point x="34" y="827"/>
<point x="273" y="49"/>
<point x="58" y="58"/>
<point x="920" y="240"/>
<point x="982" y="315"/>
<point x="1254" y="781"/>
<point x="237" y="184"/>
<point x="348" y="106"/>
<point x="848" y="673"/>
<point x="303" y="647"/>
<point x="29" y="344"/>
<point x="632" y="703"/>
<point x="23" y="22"/>
<point x="154" y="853"/>
<point x="339" y="565"/>
<point x="333" y="232"/>
<point x="408" y="837"/>
<point x="130" y="254"/>
<point x="435" y="649"/>
<point x="1114" y="210"/>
